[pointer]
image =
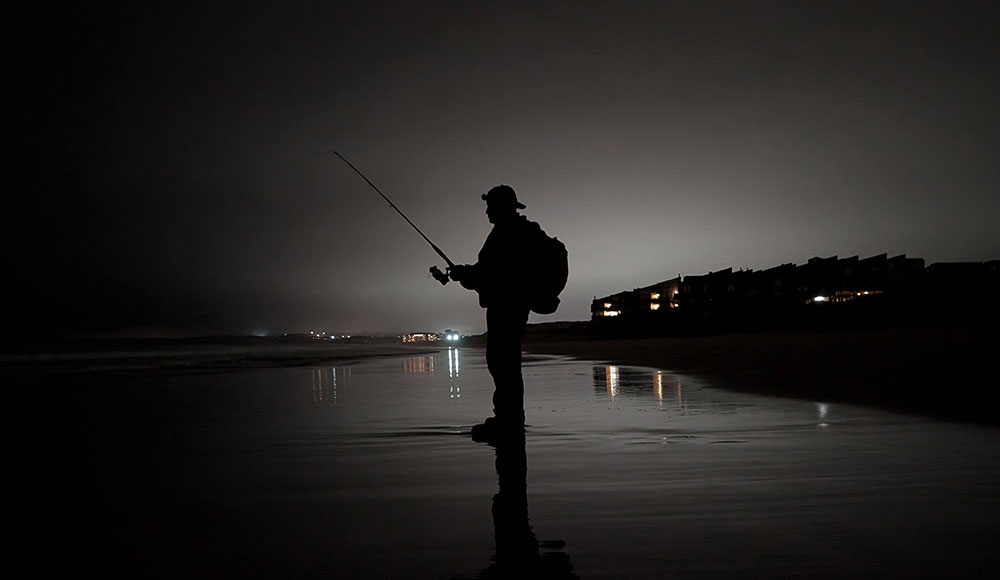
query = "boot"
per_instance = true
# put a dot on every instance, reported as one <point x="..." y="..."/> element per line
<point x="493" y="429"/>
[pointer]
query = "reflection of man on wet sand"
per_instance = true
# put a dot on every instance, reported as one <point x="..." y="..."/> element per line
<point x="519" y="554"/>
<point x="506" y="285"/>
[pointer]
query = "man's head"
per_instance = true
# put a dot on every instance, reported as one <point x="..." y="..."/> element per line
<point x="501" y="203"/>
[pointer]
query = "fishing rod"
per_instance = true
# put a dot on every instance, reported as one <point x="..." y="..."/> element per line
<point x="440" y="276"/>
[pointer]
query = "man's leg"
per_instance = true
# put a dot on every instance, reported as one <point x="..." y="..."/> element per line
<point x="503" y="358"/>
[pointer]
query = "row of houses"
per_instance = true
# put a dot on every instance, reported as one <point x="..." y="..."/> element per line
<point x="820" y="281"/>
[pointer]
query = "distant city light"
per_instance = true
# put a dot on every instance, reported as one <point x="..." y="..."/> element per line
<point x="448" y="335"/>
<point x="820" y="299"/>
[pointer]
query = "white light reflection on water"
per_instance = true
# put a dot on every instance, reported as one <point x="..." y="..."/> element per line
<point x="419" y="364"/>
<point x="427" y="364"/>
<point x="325" y="383"/>
<point x="453" y="366"/>
<point x="611" y="379"/>
<point x="822" y="409"/>
<point x="455" y="387"/>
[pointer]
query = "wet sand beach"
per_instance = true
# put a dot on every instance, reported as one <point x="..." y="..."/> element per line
<point x="937" y="370"/>
<point x="364" y="468"/>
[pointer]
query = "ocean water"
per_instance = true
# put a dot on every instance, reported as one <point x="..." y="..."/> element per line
<point x="366" y="470"/>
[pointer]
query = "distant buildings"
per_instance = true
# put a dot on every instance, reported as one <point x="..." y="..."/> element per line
<point x="313" y="335"/>
<point x="728" y="299"/>
<point x="451" y="336"/>
<point x="657" y="299"/>
<point x="447" y="335"/>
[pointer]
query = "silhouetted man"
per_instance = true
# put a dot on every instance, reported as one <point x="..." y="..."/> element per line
<point x="504" y="283"/>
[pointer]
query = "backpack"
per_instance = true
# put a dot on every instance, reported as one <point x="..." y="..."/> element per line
<point x="550" y="273"/>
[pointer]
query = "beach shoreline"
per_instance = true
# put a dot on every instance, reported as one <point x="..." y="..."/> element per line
<point x="933" y="370"/>
<point x="141" y="358"/>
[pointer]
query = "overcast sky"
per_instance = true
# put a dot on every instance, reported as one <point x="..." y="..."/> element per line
<point x="175" y="173"/>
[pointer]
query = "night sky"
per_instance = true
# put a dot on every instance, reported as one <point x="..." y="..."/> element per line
<point x="173" y="175"/>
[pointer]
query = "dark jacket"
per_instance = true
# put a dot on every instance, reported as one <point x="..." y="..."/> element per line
<point x="503" y="275"/>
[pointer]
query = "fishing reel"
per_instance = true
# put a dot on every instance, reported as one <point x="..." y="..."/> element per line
<point x="440" y="276"/>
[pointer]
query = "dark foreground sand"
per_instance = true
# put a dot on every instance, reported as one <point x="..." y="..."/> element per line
<point x="365" y="469"/>
<point x="943" y="371"/>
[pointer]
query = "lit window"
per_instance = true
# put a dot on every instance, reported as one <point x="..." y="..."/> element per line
<point x="607" y="305"/>
<point x="654" y="296"/>
<point x="612" y="312"/>
<point x="654" y="306"/>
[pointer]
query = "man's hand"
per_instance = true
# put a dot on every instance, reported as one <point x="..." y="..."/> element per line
<point x="440" y="276"/>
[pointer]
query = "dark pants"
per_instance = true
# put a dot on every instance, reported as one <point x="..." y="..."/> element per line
<point x="504" y="325"/>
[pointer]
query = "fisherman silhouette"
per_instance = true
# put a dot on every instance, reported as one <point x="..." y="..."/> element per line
<point x="504" y="279"/>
